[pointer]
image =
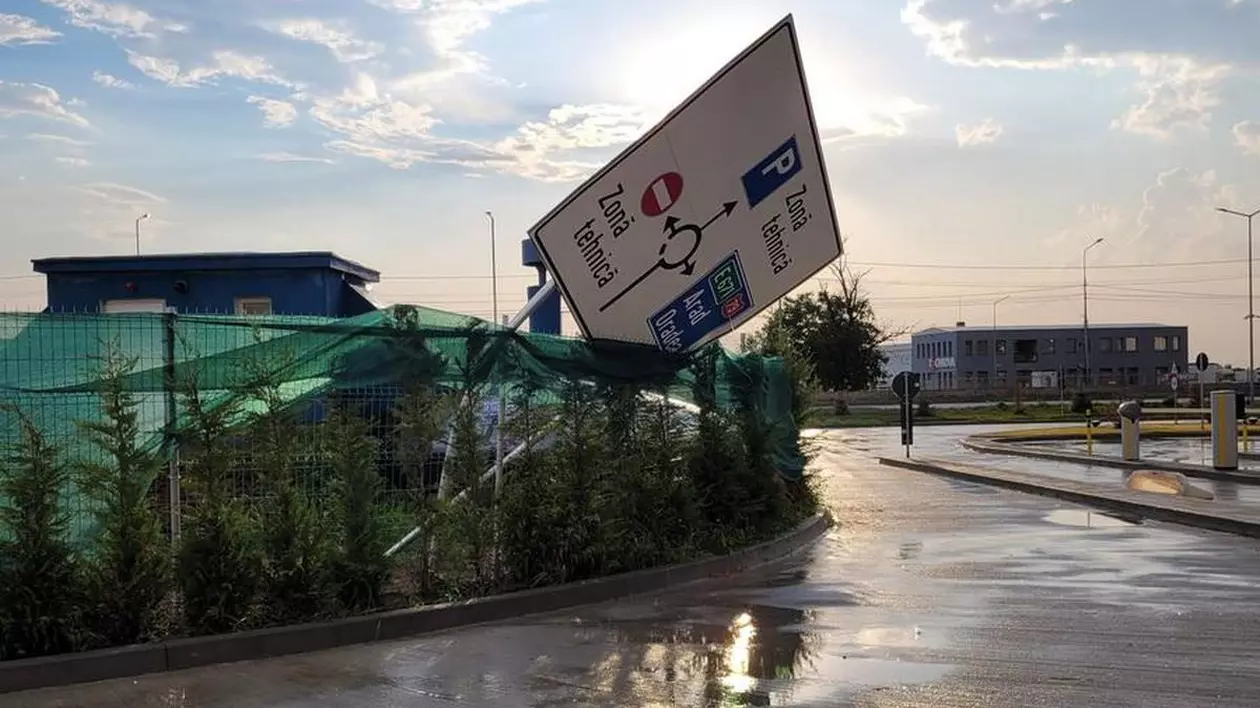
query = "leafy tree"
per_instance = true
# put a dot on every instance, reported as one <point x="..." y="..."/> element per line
<point x="833" y="330"/>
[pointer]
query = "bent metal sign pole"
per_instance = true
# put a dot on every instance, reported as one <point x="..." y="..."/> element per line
<point x="713" y="215"/>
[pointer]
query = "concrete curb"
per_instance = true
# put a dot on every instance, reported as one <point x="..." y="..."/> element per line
<point x="993" y="447"/>
<point x="1111" y="502"/>
<point x="175" y="654"/>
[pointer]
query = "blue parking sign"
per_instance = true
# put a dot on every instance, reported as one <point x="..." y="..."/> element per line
<point x="771" y="173"/>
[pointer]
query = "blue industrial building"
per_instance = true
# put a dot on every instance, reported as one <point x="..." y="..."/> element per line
<point x="545" y="319"/>
<point x="303" y="283"/>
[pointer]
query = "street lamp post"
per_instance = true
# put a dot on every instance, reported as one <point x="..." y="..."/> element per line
<point x="1251" y="304"/>
<point x="996" y="302"/>
<point x="1089" y="372"/>
<point x="494" y="308"/>
<point x="142" y="217"/>
<point x="494" y="272"/>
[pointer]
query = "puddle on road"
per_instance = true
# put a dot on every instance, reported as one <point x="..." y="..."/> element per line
<point x="1089" y="519"/>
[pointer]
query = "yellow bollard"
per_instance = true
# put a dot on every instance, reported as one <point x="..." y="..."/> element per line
<point x="1224" y="431"/>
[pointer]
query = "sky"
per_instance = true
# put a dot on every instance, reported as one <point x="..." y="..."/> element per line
<point x="974" y="147"/>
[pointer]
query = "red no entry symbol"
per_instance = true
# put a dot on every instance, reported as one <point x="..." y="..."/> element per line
<point x="661" y="194"/>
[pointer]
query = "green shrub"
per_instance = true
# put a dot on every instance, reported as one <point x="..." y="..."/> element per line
<point x="925" y="409"/>
<point x="295" y="537"/>
<point x="528" y="514"/>
<point x="576" y="463"/>
<point x="41" y="584"/>
<point x="420" y="415"/>
<point x="360" y="569"/>
<point x="129" y="573"/>
<point x="220" y="561"/>
<point x="462" y="539"/>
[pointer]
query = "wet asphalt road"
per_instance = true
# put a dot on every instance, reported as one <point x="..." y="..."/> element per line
<point x="942" y="442"/>
<point x="931" y="593"/>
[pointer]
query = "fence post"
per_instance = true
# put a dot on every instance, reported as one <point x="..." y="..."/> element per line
<point x="172" y="447"/>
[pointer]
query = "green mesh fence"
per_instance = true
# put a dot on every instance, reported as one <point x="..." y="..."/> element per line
<point x="50" y="367"/>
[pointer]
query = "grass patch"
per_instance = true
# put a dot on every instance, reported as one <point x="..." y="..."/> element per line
<point x="823" y="417"/>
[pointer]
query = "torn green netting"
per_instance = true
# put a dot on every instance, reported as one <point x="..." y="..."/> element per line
<point x="50" y="363"/>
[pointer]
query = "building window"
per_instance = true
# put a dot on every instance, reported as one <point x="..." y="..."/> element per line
<point x="1104" y="344"/>
<point x="1130" y="344"/>
<point x="1161" y="344"/>
<point x="1176" y="343"/>
<point x="1001" y="376"/>
<point x="949" y="348"/>
<point x="1025" y="351"/>
<point x="1001" y="347"/>
<point x="982" y="379"/>
<point x="1134" y="377"/>
<point x="969" y="348"/>
<point x="249" y="306"/>
<point x="1072" y="345"/>
<point x="1048" y="347"/>
<point x="982" y="347"/>
<point x="133" y="305"/>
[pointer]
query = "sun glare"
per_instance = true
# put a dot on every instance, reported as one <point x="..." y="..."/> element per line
<point x="656" y="73"/>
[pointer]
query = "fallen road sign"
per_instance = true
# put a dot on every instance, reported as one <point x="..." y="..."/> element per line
<point x="709" y="218"/>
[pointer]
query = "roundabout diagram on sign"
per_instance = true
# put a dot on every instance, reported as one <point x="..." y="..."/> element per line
<point x="677" y="251"/>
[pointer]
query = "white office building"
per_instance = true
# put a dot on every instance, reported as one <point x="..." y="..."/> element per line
<point x="899" y="358"/>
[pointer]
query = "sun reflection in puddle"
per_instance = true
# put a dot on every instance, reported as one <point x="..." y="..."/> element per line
<point x="739" y="655"/>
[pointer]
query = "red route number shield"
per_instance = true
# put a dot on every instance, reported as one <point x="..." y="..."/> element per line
<point x="661" y="194"/>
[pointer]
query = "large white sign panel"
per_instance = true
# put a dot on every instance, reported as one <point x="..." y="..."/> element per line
<point x="715" y="214"/>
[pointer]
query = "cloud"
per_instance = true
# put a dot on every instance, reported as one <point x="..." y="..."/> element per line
<point x="1247" y="137"/>
<point x="1056" y="34"/>
<point x="36" y="100"/>
<point x="401" y="134"/>
<point x="290" y="157"/>
<point x="225" y="63"/>
<point x="115" y="193"/>
<point x="1178" y="217"/>
<point x="1180" y="97"/>
<point x="111" y="81"/>
<point x="571" y="127"/>
<point x="1174" y="218"/>
<point x="276" y="114"/>
<point x="18" y="30"/>
<point x="116" y="19"/>
<point x="1180" y="51"/>
<point x="108" y="210"/>
<point x="72" y="161"/>
<point x="337" y="39"/>
<point x="60" y="139"/>
<point x="985" y="132"/>
<point x="449" y="23"/>
<point x="366" y="116"/>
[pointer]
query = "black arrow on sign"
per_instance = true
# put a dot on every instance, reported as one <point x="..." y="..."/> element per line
<point x="673" y="229"/>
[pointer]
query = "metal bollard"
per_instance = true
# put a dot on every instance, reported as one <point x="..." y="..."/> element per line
<point x="1130" y="430"/>
<point x="1224" y="430"/>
